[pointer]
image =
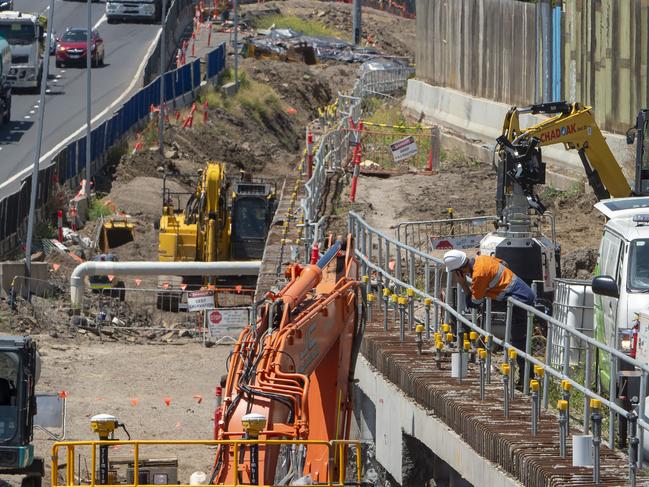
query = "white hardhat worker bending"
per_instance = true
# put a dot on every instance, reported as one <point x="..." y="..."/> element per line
<point x="491" y="278"/>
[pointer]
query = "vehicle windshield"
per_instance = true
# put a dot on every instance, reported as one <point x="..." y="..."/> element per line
<point x="9" y="363"/>
<point x="75" y="36"/>
<point x="639" y="265"/>
<point x="249" y="218"/>
<point x="18" y="32"/>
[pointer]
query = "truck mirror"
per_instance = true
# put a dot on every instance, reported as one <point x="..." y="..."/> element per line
<point x="50" y="414"/>
<point x="605" y="286"/>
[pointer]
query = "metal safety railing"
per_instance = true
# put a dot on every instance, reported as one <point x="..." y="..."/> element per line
<point x="335" y="145"/>
<point x="67" y="469"/>
<point x="453" y="232"/>
<point x="401" y="292"/>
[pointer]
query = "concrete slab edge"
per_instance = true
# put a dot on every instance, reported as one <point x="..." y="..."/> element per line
<point x="479" y="121"/>
<point x="396" y="413"/>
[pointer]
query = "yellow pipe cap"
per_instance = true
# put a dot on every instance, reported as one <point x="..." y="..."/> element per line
<point x="534" y="385"/>
<point x="562" y="405"/>
<point x="473" y="336"/>
<point x="512" y="354"/>
<point x="539" y="371"/>
<point x="420" y="328"/>
<point x="566" y="385"/>
<point x="410" y="292"/>
<point x="504" y="369"/>
<point x="467" y="345"/>
<point x="595" y="404"/>
<point x="449" y="337"/>
<point x="428" y="301"/>
<point x="482" y="354"/>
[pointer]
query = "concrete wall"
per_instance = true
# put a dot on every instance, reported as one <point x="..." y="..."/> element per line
<point x="605" y="58"/>
<point x="39" y="273"/>
<point x="482" y="47"/>
<point x="480" y="120"/>
<point x="388" y="417"/>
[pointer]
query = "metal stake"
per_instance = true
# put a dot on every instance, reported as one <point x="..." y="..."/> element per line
<point x="562" y="406"/>
<point x="632" y="418"/>
<point x="534" y="386"/>
<point x="88" y="92"/>
<point x="505" y="371"/>
<point x="596" y="418"/>
<point x="163" y="67"/>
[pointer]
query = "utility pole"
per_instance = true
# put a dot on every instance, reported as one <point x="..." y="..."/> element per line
<point x="235" y="4"/>
<point x="39" y="141"/>
<point x="88" y="94"/>
<point x="357" y="22"/>
<point x="163" y="68"/>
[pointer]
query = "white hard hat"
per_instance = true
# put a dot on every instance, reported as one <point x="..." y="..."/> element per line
<point x="454" y="259"/>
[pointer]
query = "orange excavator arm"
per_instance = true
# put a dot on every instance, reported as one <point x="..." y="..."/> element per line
<point x="293" y="368"/>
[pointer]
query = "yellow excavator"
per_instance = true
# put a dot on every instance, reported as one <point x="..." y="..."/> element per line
<point x="201" y="231"/>
<point x="212" y="227"/>
<point x="520" y="168"/>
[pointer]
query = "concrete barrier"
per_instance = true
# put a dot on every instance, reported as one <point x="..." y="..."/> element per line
<point x="480" y="121"/>
<point x="39" y="276"/>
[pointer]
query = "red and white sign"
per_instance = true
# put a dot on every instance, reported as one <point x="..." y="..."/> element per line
<point x="200" y="300"/>
<point x="226" y="318"/>
<point x="404" y="149"/>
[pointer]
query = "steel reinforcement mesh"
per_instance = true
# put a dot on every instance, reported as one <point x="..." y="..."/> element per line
<point x="533" y="460"/>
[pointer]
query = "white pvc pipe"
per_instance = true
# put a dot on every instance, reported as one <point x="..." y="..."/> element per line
<point x="103" y="268"/>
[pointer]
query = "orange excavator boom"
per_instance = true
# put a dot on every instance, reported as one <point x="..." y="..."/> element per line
<point x="291" y="370"/>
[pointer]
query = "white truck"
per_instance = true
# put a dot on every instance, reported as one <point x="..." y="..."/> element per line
<point x="5" y="86"/>
<point x="143" y="10"/>
<point x="24" y="32"/>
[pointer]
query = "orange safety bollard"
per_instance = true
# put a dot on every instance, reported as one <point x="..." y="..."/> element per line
<point x="59" y="220"/>
<point x="193" y="48"/>
<point x="209" y="35"/>
<point x="205" y="108"/>
<point x="357" y="164"/>
<point x="315" y="253"/>
<point x="73" y="218"/>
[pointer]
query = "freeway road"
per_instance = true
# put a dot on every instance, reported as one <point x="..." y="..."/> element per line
<point x="127" y="47"/>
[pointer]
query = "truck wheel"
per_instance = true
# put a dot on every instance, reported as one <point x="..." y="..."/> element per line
<point x="31" y="481"/>
<point x="59" y="64"/>
<point x="110" y="20"/>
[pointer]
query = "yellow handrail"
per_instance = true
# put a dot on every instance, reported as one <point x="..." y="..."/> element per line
<point x="334" y="446"/>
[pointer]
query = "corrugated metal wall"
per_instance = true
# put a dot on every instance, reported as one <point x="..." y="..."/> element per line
<point x="605" y="58"/>
<point x="482" y="47"/>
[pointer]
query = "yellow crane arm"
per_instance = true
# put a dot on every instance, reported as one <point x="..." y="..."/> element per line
<point x="573" y="126"/>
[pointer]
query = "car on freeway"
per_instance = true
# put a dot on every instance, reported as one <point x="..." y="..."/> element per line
<point x="71" y="48"/>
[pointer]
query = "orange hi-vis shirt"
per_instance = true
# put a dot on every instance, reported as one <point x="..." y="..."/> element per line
<point x="490" y="278"/>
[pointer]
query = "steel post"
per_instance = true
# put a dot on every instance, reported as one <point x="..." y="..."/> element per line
<point x="488" y="344"/>
<point x="436" y="296"/>
<point x="357" y="22"/>
<point x="633" y="441"/>
<point x="163" y="68"/>
<point x="548" y="355"/>
<point x="563" y="427"/>
<point x="535" y="412"/>
<point x="89" y="93"/>
<point x="528" y="351"/>
<point x="506" y="394"/>
<point x="402" y="313"/>
<point x="642" y="416"/>
<point x="39" y="143"/>
<point x="596" y="418"/>
<point x="235" y="8"/>
<point x="587" y="381"/>
<point x="612" y="391"/>
<point x="508" y="328"/>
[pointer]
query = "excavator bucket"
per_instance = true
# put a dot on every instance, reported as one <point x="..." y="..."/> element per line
<point x="115" y="231"/>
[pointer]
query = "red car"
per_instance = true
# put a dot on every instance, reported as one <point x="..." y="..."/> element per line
<point x="71" y="48"/>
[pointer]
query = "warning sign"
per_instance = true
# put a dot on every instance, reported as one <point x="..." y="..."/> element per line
<point x="404" y="149"/>
<point x="200" y="300"/>
<point x="225" y="319"/>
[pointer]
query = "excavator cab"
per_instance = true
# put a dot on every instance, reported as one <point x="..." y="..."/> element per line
<point x="19" y="372"/>
<point x="640" y="134"/>
<point x="253" y="207"/>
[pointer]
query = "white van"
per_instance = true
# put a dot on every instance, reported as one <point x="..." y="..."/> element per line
<point x="621" y="287"/>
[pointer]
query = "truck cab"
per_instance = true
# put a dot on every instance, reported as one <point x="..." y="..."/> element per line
<point x="5" y="85"/>
<point x="24" y="33"/>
